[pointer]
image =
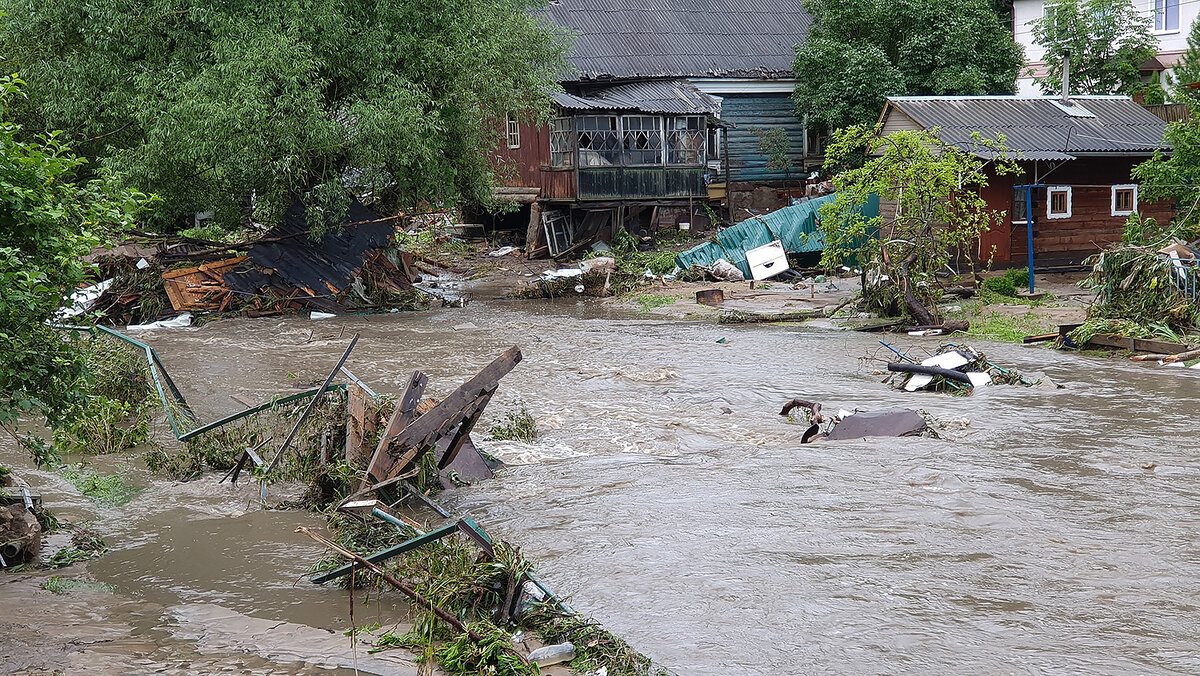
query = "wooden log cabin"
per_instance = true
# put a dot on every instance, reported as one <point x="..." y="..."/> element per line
<point x="660" y="119"/>
<point x="1080" y="150"/>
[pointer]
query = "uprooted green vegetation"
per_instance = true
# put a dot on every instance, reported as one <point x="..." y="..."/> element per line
<point x="485" y="593"/>
<point x="1129" y="329"/>
<point x="219" y="449"/>
<point x="518" y="425"/>
<point x="119" y="405"/>
<point x="58" y="584"/>
<point x="1136" y="285"/>
<point x="85" y="545"/>
<point x="432" y="242"/>
<point x="107" y="490"/>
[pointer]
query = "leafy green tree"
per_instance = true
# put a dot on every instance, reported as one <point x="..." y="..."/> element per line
<point x="861" y="51"/>
<point x="777" y="146"/>
<point x="1175" y="177"/>
<point x="931" y="210"/>
<point x="48" y="220"/>
<point x="1187" y="71"/>
<point x="229" y="105"/>
<point x="1108" y="41"/>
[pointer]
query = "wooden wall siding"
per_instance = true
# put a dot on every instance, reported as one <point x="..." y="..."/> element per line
<point x="897" y="120"/>
<point x="641" y="183"/>
<point x="750" y="111"/>
<point x="1090" y="228"/>
<point x="530" y="164"/>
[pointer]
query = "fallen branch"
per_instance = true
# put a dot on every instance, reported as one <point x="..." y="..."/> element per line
<point x="405" y="589"/>
<point x="1182" y="356"/>
<point x="736" y="317"/>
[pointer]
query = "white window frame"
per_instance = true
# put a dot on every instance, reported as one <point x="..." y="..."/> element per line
<point x="513" y="128"/>
<point x="1159" y="16"/>
<point x="1125" y="186"/>
<point x="1050" y="190"/>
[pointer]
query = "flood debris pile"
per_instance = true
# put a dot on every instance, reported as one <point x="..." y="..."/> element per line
<point x="952" y="368"/>
<point x="619" y="267"/>
<point x="334" y="265"/>
<point x="20" y="527"/>
<point x="1142" y="292"/>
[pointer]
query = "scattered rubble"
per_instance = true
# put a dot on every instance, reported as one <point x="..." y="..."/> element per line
<point x="352" y="264"/>
<point x="952" y="367"/>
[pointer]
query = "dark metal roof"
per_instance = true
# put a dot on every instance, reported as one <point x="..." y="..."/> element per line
<point x="1040" y="127"/>
<point x="672" y="97"/>
<point x="625" y="39"/>
<point x="325" y="266"/>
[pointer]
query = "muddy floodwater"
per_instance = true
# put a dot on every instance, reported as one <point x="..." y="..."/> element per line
<point x="1046" y="531"/>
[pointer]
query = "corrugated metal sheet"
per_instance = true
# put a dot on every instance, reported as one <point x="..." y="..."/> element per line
<point x="760" y="111"/>
<point x="683" y="38"/>
<point x="796" y="226"/>
<point x="1036" y="126"/>
<point x="670" y="97"/>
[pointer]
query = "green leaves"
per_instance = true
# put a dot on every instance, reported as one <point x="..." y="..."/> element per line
<point x="209" y="104"/>
<point x="1108" y="41"/>
<point x="862" y="51"/>
<point x="48" y="220"/>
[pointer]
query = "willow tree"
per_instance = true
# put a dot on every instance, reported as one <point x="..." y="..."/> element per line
<point x="210" y="104"/>
<point x="931" y="213"/>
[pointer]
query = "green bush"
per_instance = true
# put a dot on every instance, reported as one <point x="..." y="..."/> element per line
<point x="1002" y="286"/>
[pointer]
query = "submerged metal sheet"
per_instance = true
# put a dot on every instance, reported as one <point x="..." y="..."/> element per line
<point x="892" y="422"/>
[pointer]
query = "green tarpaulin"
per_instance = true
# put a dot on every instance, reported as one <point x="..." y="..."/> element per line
<point x="795" y="226"/>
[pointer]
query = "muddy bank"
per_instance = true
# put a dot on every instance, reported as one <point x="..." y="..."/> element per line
<point x="669" y="499"/>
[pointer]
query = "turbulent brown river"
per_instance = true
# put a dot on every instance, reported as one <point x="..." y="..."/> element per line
<point x="1046" y="531"/>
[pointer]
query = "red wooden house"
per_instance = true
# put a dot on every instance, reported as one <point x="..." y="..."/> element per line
<point x="1080" y="150"/>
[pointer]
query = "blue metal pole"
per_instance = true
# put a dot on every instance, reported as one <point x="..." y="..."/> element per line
<point x="1029" y="230"/>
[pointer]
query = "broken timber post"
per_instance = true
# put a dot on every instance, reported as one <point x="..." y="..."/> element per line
<point x="461" y="409"/>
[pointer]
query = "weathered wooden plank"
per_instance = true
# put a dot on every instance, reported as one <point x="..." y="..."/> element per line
<point x="402" y="415"/>
<point x="425" y="431"/>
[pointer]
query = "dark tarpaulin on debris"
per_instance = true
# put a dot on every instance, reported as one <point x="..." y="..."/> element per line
<point x="324" y="266"/>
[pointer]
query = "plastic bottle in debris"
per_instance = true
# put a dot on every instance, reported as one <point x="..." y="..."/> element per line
<point x="552" y="654"/>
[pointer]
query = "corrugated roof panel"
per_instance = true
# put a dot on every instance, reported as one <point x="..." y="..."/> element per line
<point x="683" y="38"/>
<point x="1036" y="126"/>
<point x="678" y="97"/>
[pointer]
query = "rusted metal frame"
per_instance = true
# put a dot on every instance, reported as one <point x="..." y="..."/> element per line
<point x="312" y="404"/>
<point x="393" y="551"/>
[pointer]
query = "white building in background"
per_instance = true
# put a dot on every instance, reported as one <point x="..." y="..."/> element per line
<point x="1172" y="19"/>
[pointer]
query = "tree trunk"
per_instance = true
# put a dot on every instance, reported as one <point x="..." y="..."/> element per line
<point x="919" y="312"/>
